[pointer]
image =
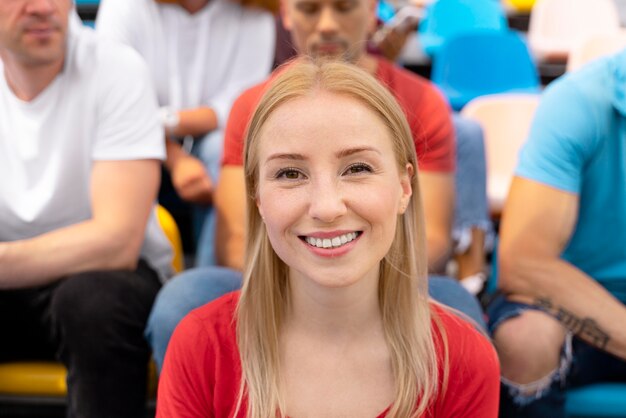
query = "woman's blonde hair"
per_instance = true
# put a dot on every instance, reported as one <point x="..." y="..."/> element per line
<point x="403" y="294"/>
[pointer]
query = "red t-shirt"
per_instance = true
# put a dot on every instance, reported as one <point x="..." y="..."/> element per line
<point x="426" y="110"/>
<point x="202" y="369"/>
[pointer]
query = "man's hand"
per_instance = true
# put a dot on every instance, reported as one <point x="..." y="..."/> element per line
<point x="391" y="41"/>
<point x="191" y="180"/>
<point x="392" y="36"/>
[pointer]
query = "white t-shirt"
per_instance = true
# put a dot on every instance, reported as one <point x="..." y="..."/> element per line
<point x="203" y="59"/>
<point x="100" y="107"/>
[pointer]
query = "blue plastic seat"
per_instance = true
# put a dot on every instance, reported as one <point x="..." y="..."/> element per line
<point x="385" y="11"/>
<point x="484" y="62"/>
<point x="446" y="19"/>
<point x="601" y="400"/>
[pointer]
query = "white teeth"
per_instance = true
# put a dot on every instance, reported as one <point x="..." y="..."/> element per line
<point x="331" y="243"/>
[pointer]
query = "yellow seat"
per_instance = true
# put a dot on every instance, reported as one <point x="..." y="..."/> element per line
<point x="33" y="379"/>
<point x="48" y="379"/>
<point x="169" y="227"/>
<point x="521" y="6"/>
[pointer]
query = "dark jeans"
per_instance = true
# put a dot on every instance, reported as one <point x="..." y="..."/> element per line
<point x="93" y="323"/>
<point x="587" y="365"/>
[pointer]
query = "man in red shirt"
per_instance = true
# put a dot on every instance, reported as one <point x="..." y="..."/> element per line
<point x="335" y="29"/>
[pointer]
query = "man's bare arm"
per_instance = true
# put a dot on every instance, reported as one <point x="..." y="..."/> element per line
<point x="195" y="122"/>
<point x="230" y="203"/>
<point x="437" y="191"/>
<point x="537" y="224"/>
<point x="123" y="193"/>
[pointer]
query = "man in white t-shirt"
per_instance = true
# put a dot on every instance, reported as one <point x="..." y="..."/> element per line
<point x="81" y="253"/>
<point x="201" y="54"/>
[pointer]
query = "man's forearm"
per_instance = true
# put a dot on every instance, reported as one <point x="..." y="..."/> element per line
<point x="86" y="246"/>
<point x="580" y="303"/>
<point x="195" y="122"/>
<point x="174" y="151"/>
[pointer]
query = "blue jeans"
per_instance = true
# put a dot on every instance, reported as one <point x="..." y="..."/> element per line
<point x="198" y="286"/>
<point x="209" y="150"/>
<point x="581" y="364"/>
<point x="471" y="208"/>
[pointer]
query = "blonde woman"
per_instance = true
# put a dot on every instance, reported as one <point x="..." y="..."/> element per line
<point x="333" y="319"/>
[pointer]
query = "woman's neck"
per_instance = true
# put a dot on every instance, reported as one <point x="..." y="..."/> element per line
<point x="334" y="312"/>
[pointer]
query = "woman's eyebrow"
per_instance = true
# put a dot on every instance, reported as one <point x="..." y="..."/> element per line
<point x="286" y="156"/>
<point x="351" y="151"/>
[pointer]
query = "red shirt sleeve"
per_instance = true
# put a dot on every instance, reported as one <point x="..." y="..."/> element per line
<point x="433" y="132"/>
<point x="236" y="128"/>
<point x="428" y="114"/>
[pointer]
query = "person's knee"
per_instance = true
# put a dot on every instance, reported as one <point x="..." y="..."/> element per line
<point x="529" y="347"/>
<point x="181" y="295"/>
<point x="171" y="304"/>
<point x="80" y="301"/>
<point x="186" y="292"/>
<point x="449" y="292"/>
<point x="95" y="311"/>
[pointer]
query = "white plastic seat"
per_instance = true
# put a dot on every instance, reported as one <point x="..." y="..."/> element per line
<point x="505" y="119"/>
<point x="595" y="47"/>
<point x="556" y="26"/>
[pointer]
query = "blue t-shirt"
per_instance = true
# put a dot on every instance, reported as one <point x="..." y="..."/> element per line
<point x="577" y="143"/>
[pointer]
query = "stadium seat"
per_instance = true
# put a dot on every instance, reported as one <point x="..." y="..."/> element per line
<point x="481" y="63"/>
<point x="505" y="119"/>
<point x="46" y="380"/>
<point x="446" y="19"/>
<point x="521" y="6"/>
<point x="168" y="224"/>
<point x="595" y="47"/>
<point x="556" y="26"/>
<point x="600" y="400"/>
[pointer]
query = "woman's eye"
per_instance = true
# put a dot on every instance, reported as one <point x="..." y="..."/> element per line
<point x="358" y="168"/>
<point x="289" y="174"/>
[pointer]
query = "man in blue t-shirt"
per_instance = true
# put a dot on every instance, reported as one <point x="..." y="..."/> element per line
<point x="563" y="246"/>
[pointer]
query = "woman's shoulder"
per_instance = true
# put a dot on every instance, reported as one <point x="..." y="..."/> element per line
<point x="208" y="335"/>
<point x="462" y="337"/>
<point x="217" y="316"/>
<point x="209" y="325"/>
<point x="471" y="367"/>
<point x="201" y="372"/>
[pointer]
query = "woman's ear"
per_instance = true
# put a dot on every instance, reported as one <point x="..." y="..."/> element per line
<point x="407" y="190"/>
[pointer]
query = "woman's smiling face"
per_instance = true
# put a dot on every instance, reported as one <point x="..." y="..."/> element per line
<point x="330" y="189"/>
